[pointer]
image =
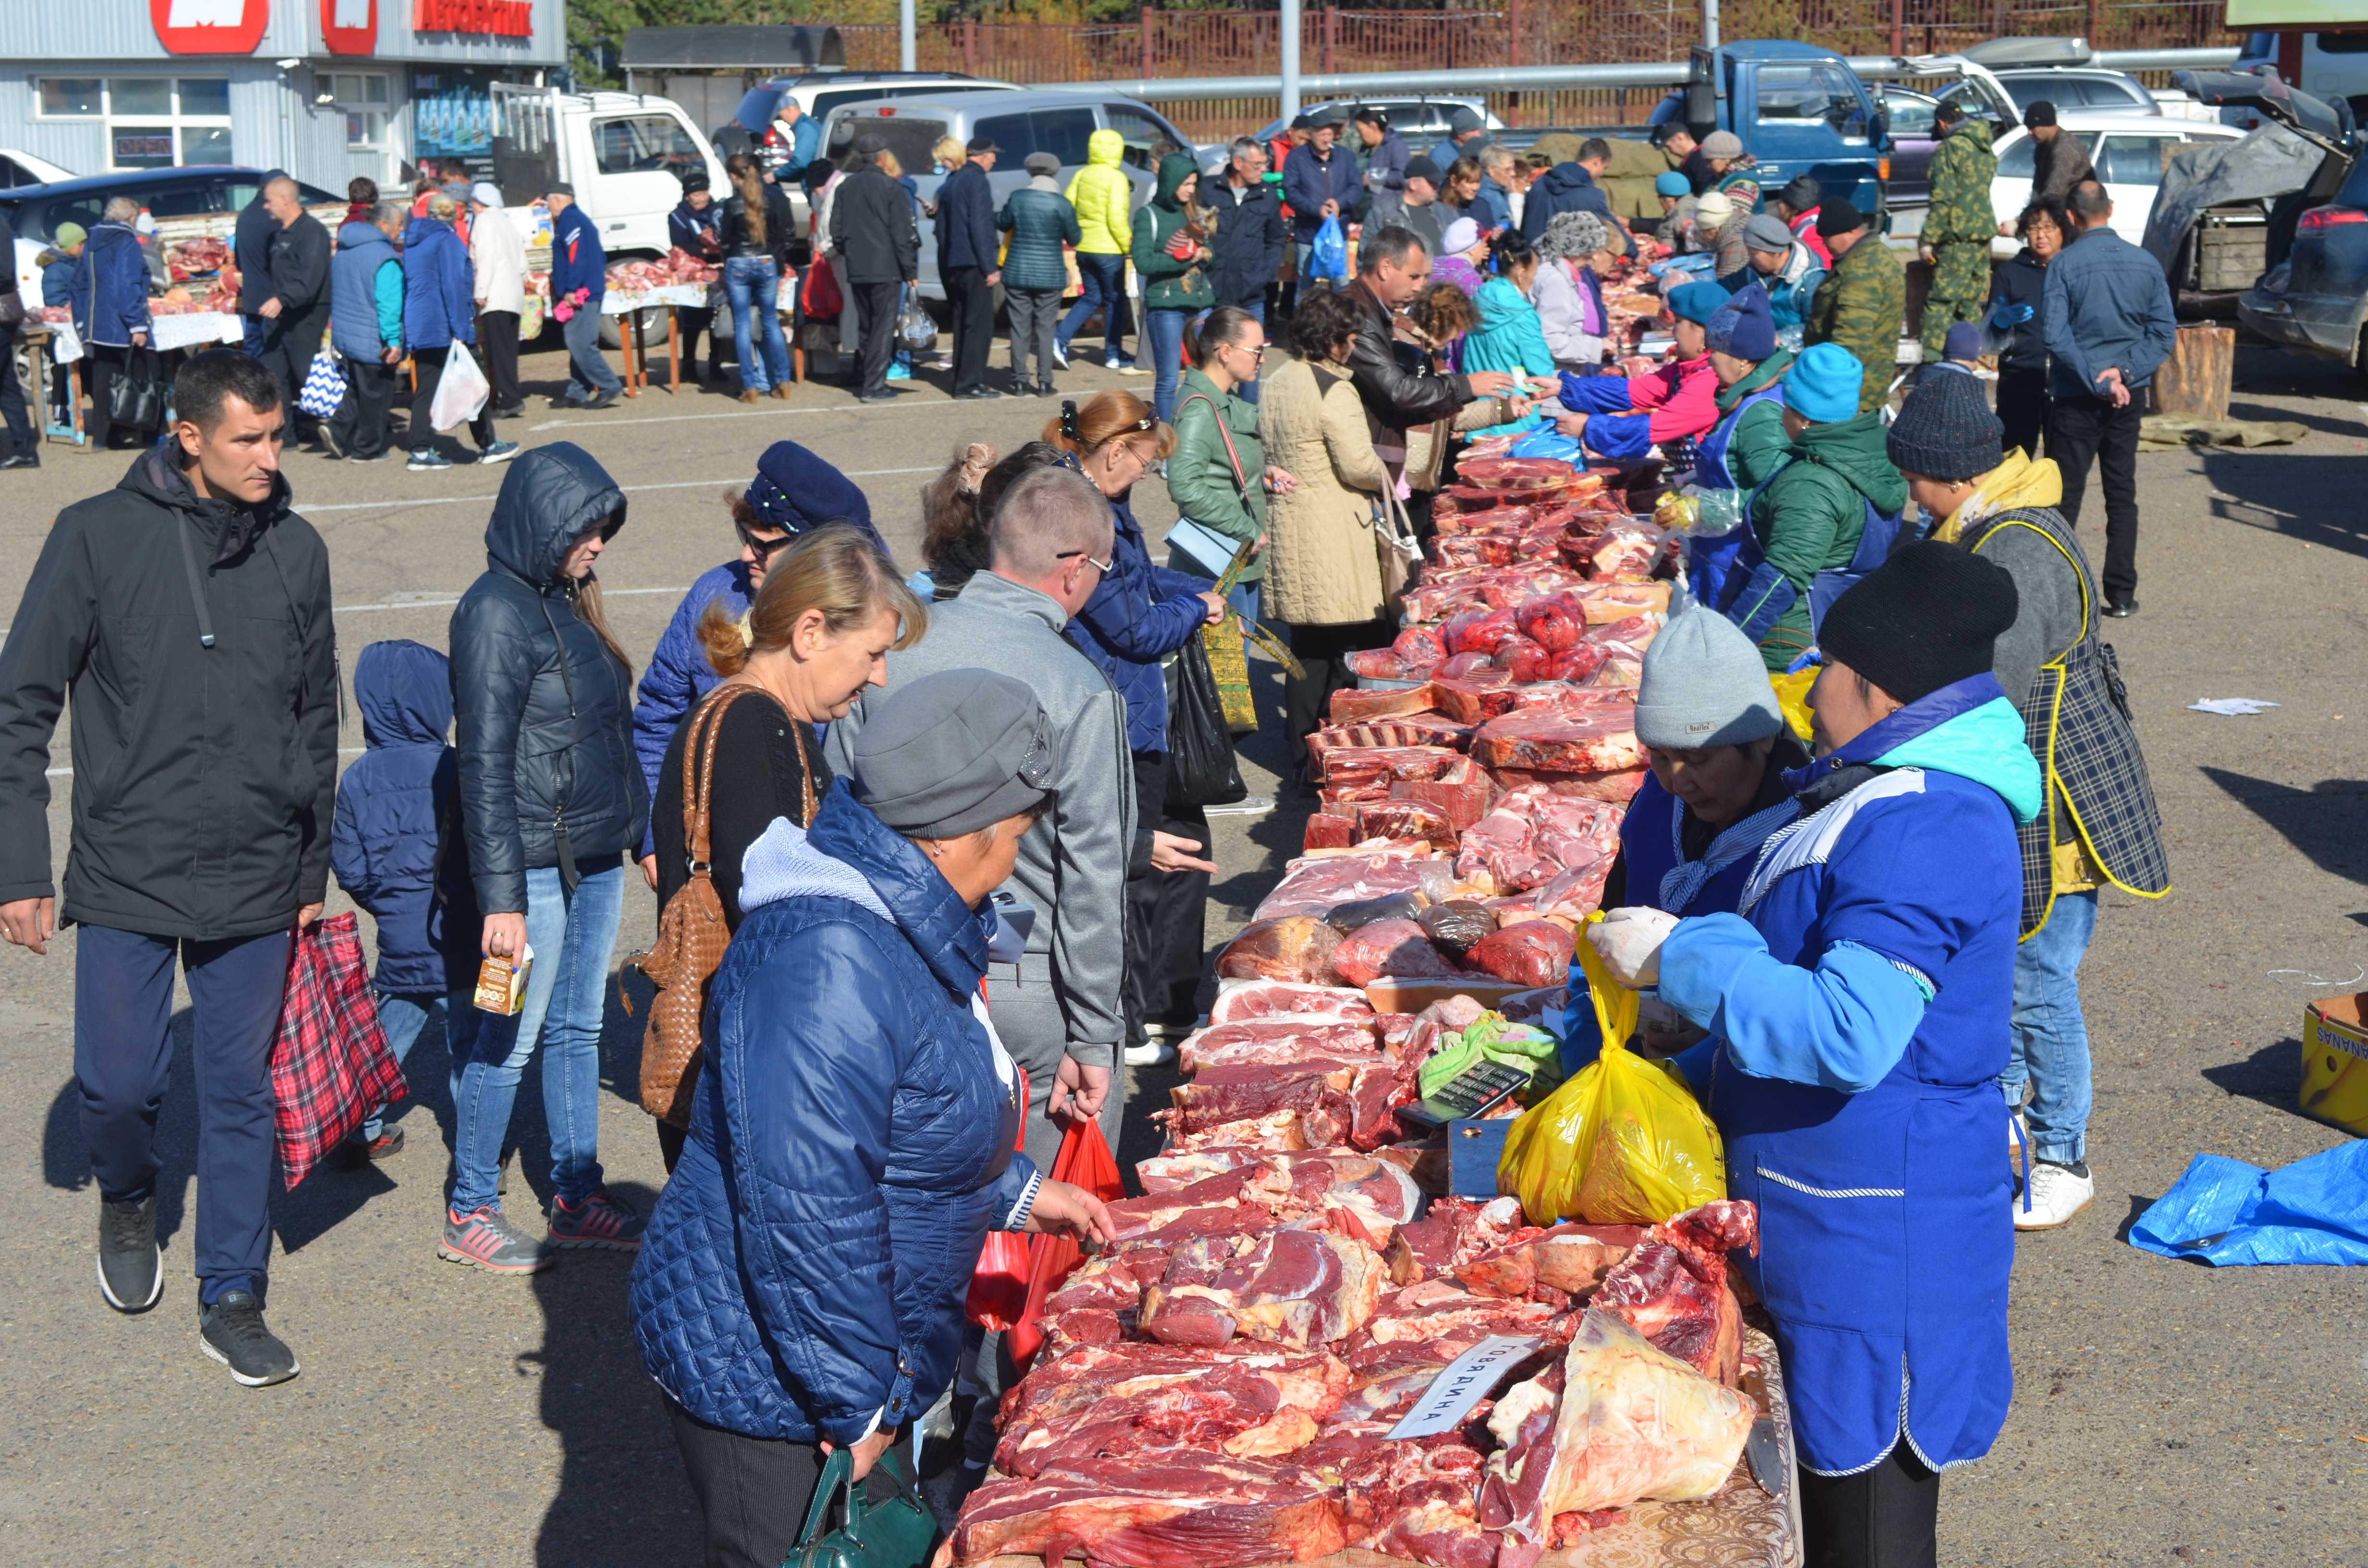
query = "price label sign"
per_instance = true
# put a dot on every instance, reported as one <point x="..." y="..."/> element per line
<point x="1469" y="1380"/>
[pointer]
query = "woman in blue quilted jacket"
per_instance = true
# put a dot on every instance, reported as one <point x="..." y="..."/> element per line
<point x="852" y="1134"/>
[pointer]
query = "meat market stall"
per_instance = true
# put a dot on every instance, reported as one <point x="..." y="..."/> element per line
<point x="1320" y="1336"/>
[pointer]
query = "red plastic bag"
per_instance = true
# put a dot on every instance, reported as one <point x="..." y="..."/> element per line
<point x="823" y="301"/>
<point x="999" y="1286"/>
<point x="330" y="1067"/>
<point x="1086" y="1160"/>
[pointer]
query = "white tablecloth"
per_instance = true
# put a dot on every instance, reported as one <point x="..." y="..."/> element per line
<point x="195" y="328"/>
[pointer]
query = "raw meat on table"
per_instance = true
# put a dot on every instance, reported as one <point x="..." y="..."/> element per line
<point x="1572" y="1259"/>
<point x="1289" y="1287"/>
<point x="1404" y="819"/>
<point x="1314" y="888"/>
<point x="1478" y="632"/>
<point x="1533" y="953"/>
<point x="1673" y="1288"/>
<point x="1594" y="740"/>
<point x="1282" y="998"/>
<point x="1618" y="786"/>
<point x="1555" y="622"/>
<point x="1379" y="766"/>
<point x="1327" y="830"/>
<point x="1237" y="1093"/>
<point x="1476" y="698"/>
<point x="1461" y="792"/>
<point x="1396" y="949"/>
<point x="1167" y="1509"/>
<point x="1418" y="647"/>
<point x="1283" y="1131"/>
<point x="1267" y="1042"/>
<point x="1351" y="706"/>
<point x="1288" y="948"/>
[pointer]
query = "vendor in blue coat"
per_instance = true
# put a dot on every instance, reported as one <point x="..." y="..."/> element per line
<point x="801" y="1285"/>
<point x="1858" y="1006"/>
<point x="794" y="491"/>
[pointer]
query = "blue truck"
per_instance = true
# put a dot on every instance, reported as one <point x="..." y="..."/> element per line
<point x="1799" y="110"/>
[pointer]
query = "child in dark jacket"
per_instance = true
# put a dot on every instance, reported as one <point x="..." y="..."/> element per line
<point x="397" y="850"/>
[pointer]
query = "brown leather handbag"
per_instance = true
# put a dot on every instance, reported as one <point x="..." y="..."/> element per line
<point x="691" y="933"/>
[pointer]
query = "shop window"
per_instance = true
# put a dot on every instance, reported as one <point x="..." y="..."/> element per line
<point x="361" y="97"/>
<point x="153" y="123"/>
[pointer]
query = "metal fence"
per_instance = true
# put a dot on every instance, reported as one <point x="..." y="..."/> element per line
<point x="1523" y="32"/>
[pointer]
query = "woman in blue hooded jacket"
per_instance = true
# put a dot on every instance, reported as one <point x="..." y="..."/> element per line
<point x="852" y="1132"/>
<point x="1858" y="1005"/>
<point x="439" y="310"/>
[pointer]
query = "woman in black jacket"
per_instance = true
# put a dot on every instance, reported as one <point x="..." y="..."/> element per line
<point x="755" y="234"/>
<point x="552" y="802"/>
<point x="2018" y="289"/>
<point x="817" y="635"/>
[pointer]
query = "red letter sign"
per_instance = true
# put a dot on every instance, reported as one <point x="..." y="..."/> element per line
<point x="209" y="27"/>
<point x="349" y="26"/>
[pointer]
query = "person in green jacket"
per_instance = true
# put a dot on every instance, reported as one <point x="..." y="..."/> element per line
<point x="1509" y="336"/>
<point x="1810" y="516"/>
<point x="1959" y="226"/>
<point x="1101" y="195"/>
<point x="1863" y="302"/>
<point x="1171" y="257"/>
<point x="1039" y="220"/>
<point x="1218" y="476"/>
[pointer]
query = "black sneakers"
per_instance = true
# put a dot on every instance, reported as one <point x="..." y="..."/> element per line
<point x="232" y="1331"/>
<point x="131" y="1272"/>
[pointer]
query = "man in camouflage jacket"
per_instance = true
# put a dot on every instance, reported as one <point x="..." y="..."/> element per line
<point x="1959" y="225"/>
<point x="1862" y="301"/>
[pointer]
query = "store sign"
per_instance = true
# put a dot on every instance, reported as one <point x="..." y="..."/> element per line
<point x="209" y="27"/>
<point x="349" y="26"/>
<point x="505" y="18"/>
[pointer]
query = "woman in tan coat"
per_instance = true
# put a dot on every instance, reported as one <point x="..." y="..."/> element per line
<point x="1324" y="570"/>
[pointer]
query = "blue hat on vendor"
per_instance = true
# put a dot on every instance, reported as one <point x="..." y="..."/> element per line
<point x="795" y="490"/>
<point x="1697" y="302"/>
<point x="1823" y="385"/>
<point x="1673" y="184"/>
<point x="1744" y="326"/>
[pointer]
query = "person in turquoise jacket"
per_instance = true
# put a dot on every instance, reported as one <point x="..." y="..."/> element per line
<point x="1509" y="336"/>
<point x="366" y="329"/>
<point x="1857" y="1010"/>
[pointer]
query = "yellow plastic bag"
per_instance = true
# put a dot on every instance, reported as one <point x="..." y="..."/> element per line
<point x="1625" y="1141"/>
<point x="1792" y="699"/>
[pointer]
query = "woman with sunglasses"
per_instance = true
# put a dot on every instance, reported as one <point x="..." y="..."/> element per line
<point x="1219" y="477"/>
<point x="1139" y="614"/>
<point x="794" y="491"/>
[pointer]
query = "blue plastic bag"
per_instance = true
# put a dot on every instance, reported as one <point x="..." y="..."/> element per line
<point x="1549" y="442"/>
<point x="2227" y="1212"/>
<point x="1330" y="260"/>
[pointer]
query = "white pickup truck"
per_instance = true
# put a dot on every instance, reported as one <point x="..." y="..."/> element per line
<point x="623" y="153"/>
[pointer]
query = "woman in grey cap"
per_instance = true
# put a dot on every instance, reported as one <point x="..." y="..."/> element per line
<point x="851" y="1139"/>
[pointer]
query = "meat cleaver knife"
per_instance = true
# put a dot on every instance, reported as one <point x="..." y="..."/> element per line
<point x="1767" y="1457"/>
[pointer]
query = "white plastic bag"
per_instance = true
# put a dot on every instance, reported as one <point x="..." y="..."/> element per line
<point x="462" y="392"/>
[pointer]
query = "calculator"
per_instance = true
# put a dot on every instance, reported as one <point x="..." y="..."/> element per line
<point x="1473" y="1092"/>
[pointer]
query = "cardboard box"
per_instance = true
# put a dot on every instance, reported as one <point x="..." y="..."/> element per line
<point x="2335" y="1061"/>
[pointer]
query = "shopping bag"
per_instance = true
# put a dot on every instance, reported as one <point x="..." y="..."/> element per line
<point x="137" y="398"/>
<point x="823" y="301"/>
<point x="1792" y="699"/>
<point x="917" y="330"/>
<point x="325" y="386"/>
<point x="1200" y="766"/>
<point x="1624" y="1141"/>
<point x="999" y="1286"/>
<point x="898" y="1532"/>
<point x="1085" y="1160"/>
<point x="1329" y="257"/>
<point x="330" y="1066"/>
<point x="460" y="391"/>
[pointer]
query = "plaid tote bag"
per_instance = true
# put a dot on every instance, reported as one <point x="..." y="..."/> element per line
<point x="330" y="1066"/>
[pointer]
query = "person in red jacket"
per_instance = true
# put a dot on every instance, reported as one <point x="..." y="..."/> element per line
<point x="1626" y="417"/>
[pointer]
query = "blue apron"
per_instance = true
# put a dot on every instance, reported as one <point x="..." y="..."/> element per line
<point x="1886" y="1236"/>
<point x="1707" y="560"/>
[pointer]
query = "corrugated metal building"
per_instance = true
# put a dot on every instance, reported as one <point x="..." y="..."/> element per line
<point x="328" y="89"/>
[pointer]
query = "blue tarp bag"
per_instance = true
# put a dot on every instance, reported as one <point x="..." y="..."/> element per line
<point x="1331" y="259"/>
<point x="2227" y="1212"/>
<point x="1548" y="442"/>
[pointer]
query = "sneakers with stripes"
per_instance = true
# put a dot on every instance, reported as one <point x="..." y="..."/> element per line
<point x="598" y="1221"/>
<point x="486" y="1239"/>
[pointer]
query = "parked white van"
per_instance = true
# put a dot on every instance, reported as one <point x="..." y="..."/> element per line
<point x="624" y="154"/>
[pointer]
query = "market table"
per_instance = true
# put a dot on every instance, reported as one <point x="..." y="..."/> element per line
<point x="684" y="296"/>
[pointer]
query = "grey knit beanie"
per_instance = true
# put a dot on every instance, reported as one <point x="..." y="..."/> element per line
<point x="1573" y="236"/>
<point x="1945" y="430"/>
<point x="1704" y="685"/>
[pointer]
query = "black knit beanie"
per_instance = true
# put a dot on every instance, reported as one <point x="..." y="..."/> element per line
<point x="1929" y="616"/>
<point x="1945" y="429"/>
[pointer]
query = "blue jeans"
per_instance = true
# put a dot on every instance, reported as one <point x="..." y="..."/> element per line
<point x="403" y="1013"/>
<point x="1163" y="339"/>
<point x="754" y="287"/>
<point x="1104" y="279"/>
<point x="572" y="938"/>
<point x="2050" y="1040"/>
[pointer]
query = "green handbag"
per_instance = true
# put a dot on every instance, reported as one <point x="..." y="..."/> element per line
<point x="898" y="1533"/>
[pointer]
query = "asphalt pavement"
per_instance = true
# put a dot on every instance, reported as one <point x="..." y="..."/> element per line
<point x="2164" y="1410"/>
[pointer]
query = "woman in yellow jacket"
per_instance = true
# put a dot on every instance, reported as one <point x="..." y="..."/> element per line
<point x="1101" y="194"/>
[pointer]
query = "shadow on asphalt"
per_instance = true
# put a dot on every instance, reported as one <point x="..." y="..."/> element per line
<point x="2139" y="1204"/>
<point x="2311" y="498"/>
<point x="2272" y="1075"/>
<point x="2328" y="821"/>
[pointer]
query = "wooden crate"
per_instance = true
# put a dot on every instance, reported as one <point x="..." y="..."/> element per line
<point x="2194" y="380"/>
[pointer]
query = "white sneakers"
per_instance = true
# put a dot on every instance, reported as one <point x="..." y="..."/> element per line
<point x="2057" y="1192"/>
<point x="1150" y="1053"/>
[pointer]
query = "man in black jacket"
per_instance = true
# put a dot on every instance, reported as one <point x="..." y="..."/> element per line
<point x="298" y="309"/>
<point x="966" y="247"/>
<point x="251" y="248"/>
<point x="1248" y="245"/>
<point x="879" y="247"/>
<point x="1392" y="267"/>
<point x="23" y="449"/>
<point x="187" y="611"/>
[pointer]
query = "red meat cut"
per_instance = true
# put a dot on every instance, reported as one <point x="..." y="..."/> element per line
<point x="1535" y="952"/>
<point x="1673" y="1288"/>
<point x="1327" y="830"/>
<point x="1525" y="661"/>
<point x="1577" y="664"/>
<point x="1289" y="1288"/>
<point x="1475" y="698"/>
<point x="1394" y="947"/>
<point x="1418" y="647"/>
<point x="1163" y="1510"/>
<point x="1238" y="1092"/>
<point x="1458" y="665"/>
<point x="1271" y="1042"/>
<point x="1404" y="819"/>
<point x="1478" y="632"/>
<point x="1555" y="622"/>
<point x="1290" y="948"/>
<point x="1281" y="998"/>
<point x="1351" y="706"/>
<point x="1379" y="663"/>
<point x="1595" y="740"/>
<point x="1315" y="888"/>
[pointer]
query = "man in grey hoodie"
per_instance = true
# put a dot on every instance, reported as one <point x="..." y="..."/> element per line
<point x="1057" y="1009"/>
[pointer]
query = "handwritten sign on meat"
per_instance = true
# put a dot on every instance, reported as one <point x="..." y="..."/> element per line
<point x="1465" y="1382"/>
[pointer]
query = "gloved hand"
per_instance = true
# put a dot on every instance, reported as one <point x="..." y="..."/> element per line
<point x="1630" y="939"/>
<point x="2010" y="315"/>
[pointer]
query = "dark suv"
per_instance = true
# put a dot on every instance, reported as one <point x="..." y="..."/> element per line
<point x="36" y="211"/>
